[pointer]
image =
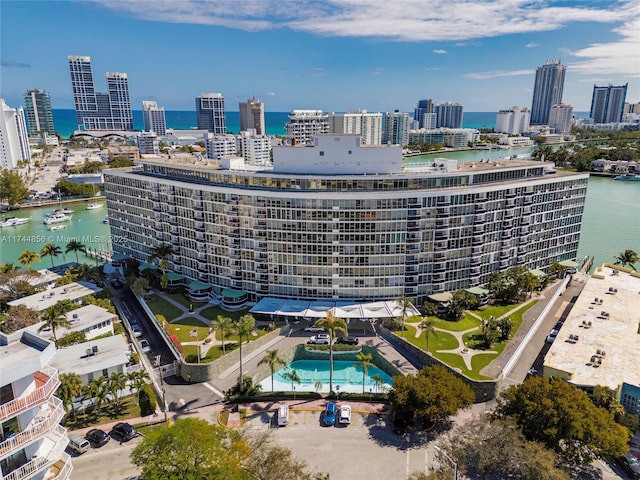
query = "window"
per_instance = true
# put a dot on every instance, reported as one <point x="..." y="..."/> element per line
<point x="321" y="153"/>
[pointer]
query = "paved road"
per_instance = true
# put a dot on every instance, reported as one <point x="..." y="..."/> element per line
<point x="110" y="462"/>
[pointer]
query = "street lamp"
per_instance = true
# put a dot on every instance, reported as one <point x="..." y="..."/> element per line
<point x="455" y="465"/>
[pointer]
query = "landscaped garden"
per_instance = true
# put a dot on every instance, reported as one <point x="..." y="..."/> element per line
<point x="160" y="306"/>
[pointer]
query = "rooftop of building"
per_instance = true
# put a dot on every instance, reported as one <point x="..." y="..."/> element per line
<point x="43" y="300"/>
<point x="111" y="351"/>
<point x="79" y="320"/>
<point x="599" y="342"/>
<point x="22" y="352"/>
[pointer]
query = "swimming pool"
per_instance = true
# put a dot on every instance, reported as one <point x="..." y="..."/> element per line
<point x="347" y="377"/>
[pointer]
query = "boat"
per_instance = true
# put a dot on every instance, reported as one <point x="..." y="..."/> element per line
<point x="56" y="218"/>
<point x="61" y="210"/>
<point x="93" y="206"/>
<point x="57" y="227"/>
<point x="105" y="220"/>
<point x="628" y="178"/>
<point x="13" y="221"/>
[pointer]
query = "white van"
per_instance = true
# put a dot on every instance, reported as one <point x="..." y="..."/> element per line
<point x="78" y="444"/>
<point x="283" y="415"/>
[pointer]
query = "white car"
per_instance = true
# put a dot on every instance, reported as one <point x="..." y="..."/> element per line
<point x="314" y="329"/>
<point x="345" y="414"/>
<point x="320" y="339"/>
<point x="552" y="336"/>
<point x="145" y="347"/>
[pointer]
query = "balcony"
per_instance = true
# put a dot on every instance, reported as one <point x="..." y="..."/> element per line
<point x="442" y="223"/>
<point x="525" y="221"/>
<point x="413" y="248"/>
<point x="412" y="226"/>
<point x="478" y="230"/>
<point x="413" y="214"/>
<point x="440" y="246"/>
<point x="480" y="209"/>
<point x="54" y="459"/>
<point x="527" y="201"/>
<point x="475" y="241"/>
<point x="439" y="268"/>
<point x="442" y="212"/>
<point x="200" y="227"/>
<point x="46" y="383"/>
<point x="262" y="267"/>
<point x="479" y="219"/>
<point x="443" y="202"/>
<point x="411" y="260"/>
<point x="48" y="418"/>
<point x="442" y="235"/>
<point x="475" y="261"/>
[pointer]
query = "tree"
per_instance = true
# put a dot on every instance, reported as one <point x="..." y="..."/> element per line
<point x="161" y="252"/>
<point x="137" y="380"/>
<point x="101" y="390"/>
<point x="563" y="418"/>
<point x="432" y="394"/>
<point x="292" y="376"/>
<point x="119" y="162"/>
<point x="116" y="383"/>
<point x="429" y="309"/>
<point x="627" y="259"/>
<point x="7" y="267"/>
<point x="28" y="257"/>
<point x="405" y="305"/>
<point x="17" y="318"/>
<point x="224" y="324"/>
<point x="243" y="328"/>
<point x="70" y="388"/>
<point x="140" y="285"/>
<point x="332" y="325"/>
<point x="55" y="317"/>
<point x="273" y="360"/>
<point x="13" y="187"/>
<point x="50" y="250"/>
<point x="529" y="282"/>
<point x="18" y="283"/>
<point x="377" y="381"/>
<point x="364" y="361"/>
<point x="75" y="246"/>
<point x="428" y="326"/>
<point x="557" y="270"/>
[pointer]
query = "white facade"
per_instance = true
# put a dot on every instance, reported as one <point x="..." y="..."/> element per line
<point x="514" y="120"/>
<point x="32" y="441"/>
<point x="14" y="141"/>
<point x="360" y="122"/>
<point x="256" y="149"/>
<point x="220" y="146"/>
<point x="449" y="137"/>
<point x="153" y="118"/>
<point x="560" y="117"/>
<point x="305" y="124"/>
<point x="396" y="129"/>
<point x="148" y="143"/>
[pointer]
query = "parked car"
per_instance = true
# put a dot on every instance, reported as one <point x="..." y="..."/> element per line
<point x="319" y="339"/>
<point x="97" y="437"/>
<point x="313" y="328"/>
<point x="145" y="347"/>
<point x="552" y="336"/>
<point x="124" y="431"/>
<point x="345" y="414"/>
<point x="348" y="340"/>
<point x="78" y="444"/>
<point x="137" y="331"/>
<point x="329" y="417"/>
<point x="117" y="283"/>
<point x="631" y="465"/>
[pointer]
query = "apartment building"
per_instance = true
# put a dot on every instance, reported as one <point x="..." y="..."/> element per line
<point x="14" y="141"/>
<point x="339" y="220"/>
<point x="32" y="441"/>
<point x="304" y="124"/>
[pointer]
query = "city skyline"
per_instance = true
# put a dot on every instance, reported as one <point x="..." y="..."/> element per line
<point x="334" y="56"/>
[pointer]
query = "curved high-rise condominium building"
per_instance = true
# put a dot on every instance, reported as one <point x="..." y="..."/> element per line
<point x="39" y="114"/>
<point x="341" y="220"/>
<point x="547" y="90"/>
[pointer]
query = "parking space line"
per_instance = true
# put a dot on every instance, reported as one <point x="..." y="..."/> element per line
<point x="213" y="389"/>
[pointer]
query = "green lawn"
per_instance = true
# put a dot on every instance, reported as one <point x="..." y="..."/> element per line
<point x="456" y="361"/>
<point x="212" y="313"/>
<point x="234" y="338"/>
<point x="106" y="414"/>
<point x="161" y="306"/>
<point x="184" y="301"/>
<point x="185" y="325"/>
<point x="495" y="311"/>
<point x="467" y="322"/>
<point x="190" y="352"/>
<point x="444" y="341"/>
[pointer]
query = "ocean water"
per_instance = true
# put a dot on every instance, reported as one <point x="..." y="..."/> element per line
<point x="65" y="121"/>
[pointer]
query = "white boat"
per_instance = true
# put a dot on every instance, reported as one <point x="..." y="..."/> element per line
<point x="56" y="218"/>
<point x="57" y="227"/>
<point x="13" y="221"/>
<point x="93" y="206"/>
<point x="105" y="220"/>
<point x="630" y="177"/>
<point x="60" y="210"/>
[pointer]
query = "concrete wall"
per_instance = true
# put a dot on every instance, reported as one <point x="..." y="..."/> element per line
<point x="484" y="389"/>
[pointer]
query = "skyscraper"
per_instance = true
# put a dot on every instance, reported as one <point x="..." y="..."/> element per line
<point x="423" y="108"/>
<point x="449" y="114"/>
<point x="153" y="118"/>
<point x="14" y="141"/>
<point x="359" y="122"/>
<point x="547" y="90"/>
<point x="560" y="117"/>
<point x="252" y="116"/>
<point x="39" y="114"/>
<point x="99" y="111"/>
<point x="515" y="120"/>
<point x="396" y="128"/>
<point x="210" y="113"/>
<point x="607" y="103"/>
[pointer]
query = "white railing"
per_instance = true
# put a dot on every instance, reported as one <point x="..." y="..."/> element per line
<point x="39" y="395"/>
<point x="38" y="427"/>
<point x="65" y="472"/>
<point x="39" y="463"/>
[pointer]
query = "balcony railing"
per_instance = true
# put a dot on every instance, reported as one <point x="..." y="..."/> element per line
<point x="46" y="383"/>
<point x="29" y="469"/>
<point x="61" y="470"/>
<point x="46" y="420"/>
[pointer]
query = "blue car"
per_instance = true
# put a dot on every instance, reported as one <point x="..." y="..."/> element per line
<point x="330" y="414"/>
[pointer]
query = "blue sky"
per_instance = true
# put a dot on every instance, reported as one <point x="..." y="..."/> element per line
<point x="333" y="55"/>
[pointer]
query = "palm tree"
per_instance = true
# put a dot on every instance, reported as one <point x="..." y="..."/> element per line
<point x="332" y="325"/>
<point x="273" y="360"/>
<point x="377" y="381"/>
<point x="405" y="306"/>
<point x="50" y="250"/>
<point x="7" y="267"/>
<point x="55" y="317"/>
<point x="70" y="388"/>
<point x="102" y="390"/>
<point x="161" y="252"/>
<point x="224" y="324"/>
<point x="627" y="259"/>
<point x="429" y="328"/>
<point x="137" y="380"/>
<point x="243" y="328"/>
<point x="116" y="383"/>
<point x="293" y="376"/>
<point x="75" y="246"/>
<point x="364" y="361"/>
<point x="28" y="257"/>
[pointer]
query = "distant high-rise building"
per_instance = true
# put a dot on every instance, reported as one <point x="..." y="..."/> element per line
<point x="254" y="148"/>
<point x="632" y="107"/>
<point x="560" y="117"/>
<point x="424" y="108"/>
<point x="449" y="114"/>
<point x="305" y="124"/>
<point x="396" y="128"/>
<point x="39" y="114"/>
<point x="153" y="118"/>
<point x="14" y="141"/>
<point x="99" y="111"/>
<point x="210" y="113"/>
<point x="547" y="90"/>
<point x="607" y="103"/>
<point x="252" y="116"/>
<point x="148" y="143"/>
<point x="515" y="120"/>
<point x="359" y="122"/>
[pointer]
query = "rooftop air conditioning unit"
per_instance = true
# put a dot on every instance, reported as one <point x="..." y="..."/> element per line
<point x="94" y="349"/>
<point x="75" y="316"/>
<point x="89" y="352"/>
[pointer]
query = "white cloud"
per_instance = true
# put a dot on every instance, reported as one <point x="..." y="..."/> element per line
<point x="498" y="73"/>
<point x="270" y="94"/>
<point x="531" y="45"/>
<point x="440" y="51"/>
